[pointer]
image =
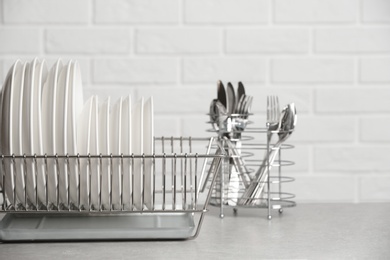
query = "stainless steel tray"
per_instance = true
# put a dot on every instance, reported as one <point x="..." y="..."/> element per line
<point x="64" y="227"/>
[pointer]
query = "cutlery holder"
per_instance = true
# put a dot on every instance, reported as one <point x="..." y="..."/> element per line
<point x="175" y="209"/>
<point x="246" y="155"/>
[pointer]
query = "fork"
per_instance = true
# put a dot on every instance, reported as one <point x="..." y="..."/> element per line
<point x="273" y="118"/>
<point x="273" y="113"/>
<point x="287" y="123"/>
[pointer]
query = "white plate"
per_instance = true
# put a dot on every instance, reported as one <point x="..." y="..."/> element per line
<point x="75" y="107"/>
<point x="1" y="107"/>
<point x="49" y="120"/>
<point x="32" y="142"/>
<point x="126" y="149"/>
<point x="5" y="144"/>
<point x="61" y="131"/>
<point x="137" y="146"/>
<point x="1" y="112"/>
<point x="104" y="146"/>
<point x="148" y="146"/>
<point x="115" y="147"/>
<point x="17" y="130"/>
<point x="94" y="150"/>
<point x="40" y="76"/>
<point x="7" y="131"/>
<point x="26" y="114"/>
<point x="83" y="147"/>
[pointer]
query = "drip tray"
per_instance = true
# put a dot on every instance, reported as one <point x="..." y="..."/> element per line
<point x="66" y="227"/>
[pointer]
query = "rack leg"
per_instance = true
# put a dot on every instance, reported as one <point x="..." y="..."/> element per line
<point x="221" y="209"/>
<point x="224" y="170"/>
<point x="268" y="182"/>
<point x="221" y="214"/>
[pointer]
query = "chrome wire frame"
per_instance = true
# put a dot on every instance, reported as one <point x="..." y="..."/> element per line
<point x="175" y="183"/>
<point x="247" y="162"/>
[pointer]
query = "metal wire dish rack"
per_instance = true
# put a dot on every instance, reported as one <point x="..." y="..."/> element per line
<point x="246" y="156"/>
<point x="129" y="203"/>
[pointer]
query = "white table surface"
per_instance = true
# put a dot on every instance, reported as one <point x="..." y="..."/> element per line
<point x="308" y="231"/>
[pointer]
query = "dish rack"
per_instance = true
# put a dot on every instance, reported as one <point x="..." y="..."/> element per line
<point x="177" y="206"/>
<point x="246" y="155"/>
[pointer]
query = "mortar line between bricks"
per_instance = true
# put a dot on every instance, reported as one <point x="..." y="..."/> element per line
<point x="91" y="13"/>
<point x="356" y="71"/>
<point x="299" y="55"/>
<point x="271" y="14"/>
<point x="103" y="85"/>
<point x="311" y="103"/>
<point x="267" y="54"/>
<point x="223" y="42"/>
<point x="344" y="55"/>
<point x="378" y="24"/>
<point x="311" y="51"/>
<point x="90" y="72"/>
<point x="349" y="26"/>
<point x="180" y="71"/>
<point x="360" y="13"/>
<point x="2" y="19"/>
<point x="173" y="25"/>
<point x="183" y="54"/>
<point x="359" y="79"/>
<point x="42" y="42"/>
<point x="181" y="14"/>
<point x="133" y="43"/>
<point x="358" y="131"/>
<point x="268" y="72"/>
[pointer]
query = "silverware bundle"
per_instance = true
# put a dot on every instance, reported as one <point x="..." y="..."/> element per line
<point x="230" y="111"/>
<point x="229" y="115"/>
<point x="282" y="124"/>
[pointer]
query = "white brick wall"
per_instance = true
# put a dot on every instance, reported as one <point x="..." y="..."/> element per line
<point x="374" y="70"/>
<point x="226" y="11"/>
<point x="267" y="41"/>
<point x="205" y="69"/>
<point x="352" y="40"/>
<point x="376" y="11"/>
<point x="46" y="11"/>
<point x="312" y="70"/>
<point x="177" y="41"/>
<point x="136" y="11"/>
<point x="135" y="70"/>
<point x="370" y="99"/>
<point x="330" y="57"/>
<point x="19" y="40"/>
<point x="316" y="11"/>
<point x="89" y="41"/>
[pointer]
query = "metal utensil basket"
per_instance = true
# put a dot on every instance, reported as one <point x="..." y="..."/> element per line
<point x="246" y="154"/>
<point x="175" y="207"/>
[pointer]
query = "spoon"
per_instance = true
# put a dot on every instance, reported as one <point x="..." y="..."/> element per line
<point x="231" y="98"/>
<point x="213" y="114"/>
<point x="247" y="107"/>
<point x="240" y="91"/>
<point x="218" y="114"/>
<point x="221" y="94"/>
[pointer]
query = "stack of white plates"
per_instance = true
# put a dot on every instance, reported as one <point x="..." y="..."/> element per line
<point x="42" y="112"/>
